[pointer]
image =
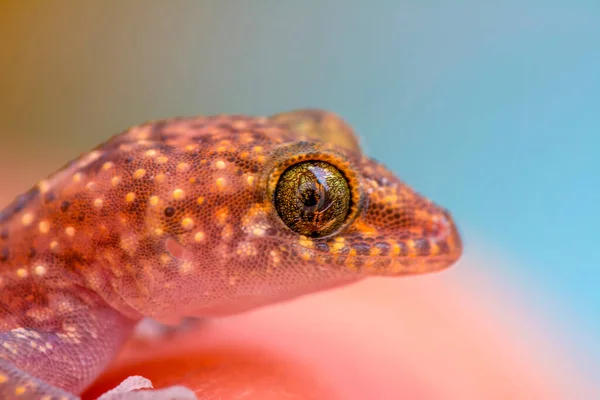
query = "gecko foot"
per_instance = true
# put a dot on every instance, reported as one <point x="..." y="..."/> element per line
<point x="140" y="388"/>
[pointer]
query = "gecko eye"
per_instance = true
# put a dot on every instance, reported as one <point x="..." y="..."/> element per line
<point x="313" y="198"/>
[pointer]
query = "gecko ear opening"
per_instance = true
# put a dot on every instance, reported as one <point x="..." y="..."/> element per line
<point x="175" y="248"/>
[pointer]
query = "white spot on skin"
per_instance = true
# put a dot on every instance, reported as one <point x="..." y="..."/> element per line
<point x="199" y="237"/>
<point x="44" y="227"/>
<point x="178" y="194"/>
<point x="246" y="249"/>
<point x="186" y="267"/>
<point x="35" y="346"/>
<point x="183" y="167"/>
<point x="44" y="186"/>
<point x="27" y="219"/>
<point x="187" y="223"/>
<point x="130" y="197"/>
<point x="40" y="270"/>
<point x="26" y="333"/>
<point x="153" y="200"/>
<point x="129" y="243"/>
<point x="70" y="231"/>
<point x="221" y="183"/>
<point x="22" y="273"/>
<point x="139" y="174"/>
<point x="254" y="222"/>
<point x="220" y="164"/>
<point x="10" y="347"/>
<point x="275" y="256"/>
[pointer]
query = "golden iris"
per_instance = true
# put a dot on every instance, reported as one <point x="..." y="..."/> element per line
<point x="312" y="198"/>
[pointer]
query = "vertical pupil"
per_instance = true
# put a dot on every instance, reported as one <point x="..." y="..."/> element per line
<point x="310" y="197"/>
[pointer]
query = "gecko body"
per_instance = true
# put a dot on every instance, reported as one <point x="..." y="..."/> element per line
<point x="196" y="217"/>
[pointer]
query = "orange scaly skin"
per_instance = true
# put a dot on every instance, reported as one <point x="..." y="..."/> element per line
<point x="176" y="218"/>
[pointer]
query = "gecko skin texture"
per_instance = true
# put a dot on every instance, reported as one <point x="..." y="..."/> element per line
<point x="196" y="217"/>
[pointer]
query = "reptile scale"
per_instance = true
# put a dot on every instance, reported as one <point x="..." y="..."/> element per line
<point x="196" y="217"/>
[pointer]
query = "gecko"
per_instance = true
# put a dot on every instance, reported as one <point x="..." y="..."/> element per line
<point x="202" y="217"/>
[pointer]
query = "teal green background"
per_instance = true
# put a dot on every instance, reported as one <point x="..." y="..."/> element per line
<point x="491" y="110"/>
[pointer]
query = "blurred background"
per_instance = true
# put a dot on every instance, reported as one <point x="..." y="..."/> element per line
<point x="490" y="110"/>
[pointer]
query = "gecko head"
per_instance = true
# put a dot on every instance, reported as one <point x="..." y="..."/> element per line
<point x="323" y="218"/>
<point x="351" y="215"/>
<point x="303" y="210"/>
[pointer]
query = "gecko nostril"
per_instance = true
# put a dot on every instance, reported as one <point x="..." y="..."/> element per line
<point x="174" y="248"/>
